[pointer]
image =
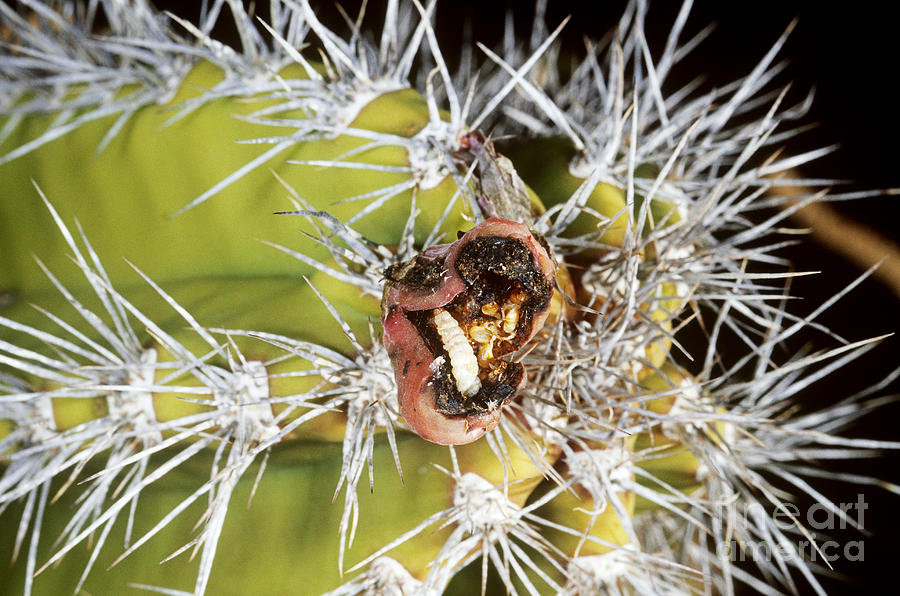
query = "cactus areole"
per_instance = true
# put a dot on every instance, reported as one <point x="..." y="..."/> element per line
<point x="450" y="316"/>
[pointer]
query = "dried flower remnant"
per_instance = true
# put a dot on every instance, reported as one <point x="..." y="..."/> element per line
<point x="503" y="192"/>
<point x="451" y="314"/>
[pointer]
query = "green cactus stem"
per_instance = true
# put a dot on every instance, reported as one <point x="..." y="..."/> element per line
<point x="194" y="371"/>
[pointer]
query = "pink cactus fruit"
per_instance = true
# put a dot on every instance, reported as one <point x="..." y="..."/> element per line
<point x="451" y="314"/>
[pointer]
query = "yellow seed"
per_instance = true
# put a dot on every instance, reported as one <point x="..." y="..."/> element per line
<point x="490" y="309"/>
<point x="481" y="333"/>
<point x="510" y="318"/>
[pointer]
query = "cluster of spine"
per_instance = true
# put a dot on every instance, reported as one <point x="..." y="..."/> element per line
<point x="150" y="405"/>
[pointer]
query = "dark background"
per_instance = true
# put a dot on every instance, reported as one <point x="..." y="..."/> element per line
<point x="848" y="52"/>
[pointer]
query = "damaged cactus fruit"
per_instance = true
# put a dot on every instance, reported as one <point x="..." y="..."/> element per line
<point x="451" y="314"/>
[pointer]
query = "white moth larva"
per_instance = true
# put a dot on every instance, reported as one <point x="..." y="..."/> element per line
<point x="463" y="362"/>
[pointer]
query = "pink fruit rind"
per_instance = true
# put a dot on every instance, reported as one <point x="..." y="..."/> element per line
<point x="414" y="363"/>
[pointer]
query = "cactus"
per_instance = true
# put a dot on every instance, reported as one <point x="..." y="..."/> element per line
<point x="291" y="212"/>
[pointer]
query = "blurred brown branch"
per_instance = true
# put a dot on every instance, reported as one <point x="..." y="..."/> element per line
<point x="857" y="243"/>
